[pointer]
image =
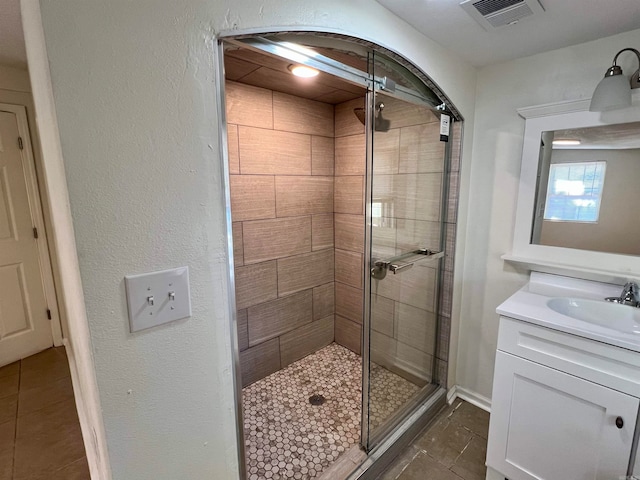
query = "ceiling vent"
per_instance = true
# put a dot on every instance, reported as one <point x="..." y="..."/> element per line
<point x="492" y="14"/>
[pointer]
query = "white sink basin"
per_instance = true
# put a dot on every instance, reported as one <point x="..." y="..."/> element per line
<point x="622" y="318"/>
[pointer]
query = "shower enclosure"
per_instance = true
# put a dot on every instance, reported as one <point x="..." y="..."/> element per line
<point x="376" y="200"/>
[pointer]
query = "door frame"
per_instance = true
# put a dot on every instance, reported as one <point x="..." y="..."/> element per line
<point x="63" y="246"/>
<point x="37" y="217"/>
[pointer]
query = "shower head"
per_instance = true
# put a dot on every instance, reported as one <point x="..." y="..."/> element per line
<point x="381" y="124"/>
<point x="360" y="113"/>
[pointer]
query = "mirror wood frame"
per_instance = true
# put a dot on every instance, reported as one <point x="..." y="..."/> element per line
<point x="607" y="267"/>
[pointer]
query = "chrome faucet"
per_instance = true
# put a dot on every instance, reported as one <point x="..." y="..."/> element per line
<point x="630" y="295"/>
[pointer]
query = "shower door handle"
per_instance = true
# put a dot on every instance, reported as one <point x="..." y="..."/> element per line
<point x="379" y="270"/>
<point x="397" y="268"/>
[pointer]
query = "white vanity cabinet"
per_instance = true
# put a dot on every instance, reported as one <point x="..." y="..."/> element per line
<point x="563" y="406"/>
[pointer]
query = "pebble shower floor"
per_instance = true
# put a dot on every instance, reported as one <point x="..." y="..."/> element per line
<point x="287" y="437"/>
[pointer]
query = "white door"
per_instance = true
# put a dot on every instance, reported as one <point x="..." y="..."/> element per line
<point x="548" y="425"/>
<point x="24" y="325"/>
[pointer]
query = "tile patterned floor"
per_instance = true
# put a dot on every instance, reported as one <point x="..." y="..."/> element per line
<point x="287" y="437"/>
<point x="39" y="430"/>
<point x="388" y="392"/>
<point x="453" y="448"/>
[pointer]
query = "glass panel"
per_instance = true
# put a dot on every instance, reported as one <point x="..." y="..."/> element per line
<point x="406" y="226"/>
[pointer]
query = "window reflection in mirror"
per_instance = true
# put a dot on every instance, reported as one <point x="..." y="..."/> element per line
<point x="588" y="189"/>
<point x="574" y="191"/>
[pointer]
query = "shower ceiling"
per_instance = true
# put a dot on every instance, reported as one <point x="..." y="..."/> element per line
<point x="261" y="70"/>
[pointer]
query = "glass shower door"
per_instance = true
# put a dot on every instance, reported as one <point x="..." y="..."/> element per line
<point x="405" y="225"/>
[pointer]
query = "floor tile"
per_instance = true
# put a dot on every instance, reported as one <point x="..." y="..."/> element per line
<point x="472" y="417"/>
<point x="446" y="443"/>
<point x="424" y="467"/>
<point x="9" y="385"/>
<point x="78" y="470"/>
<point x="471" y="464"/>
<point x="43" y="368"/>
<point x="448" y="410"/>
<point x="8" y="408"/>
<point x="45" y="359"/>
<point x="400" y="463"/>
<point x="282" y="426"/>
<point x="41" y="441"/>
<point x="388" y="393"/>
<point x="47" y="440"/>
<point x="288" y="437"/>
<point x="11" y="369"/>
<point x="447" y="450"/>
<point x="7" y="435"/>
<point x="34" y="399"/>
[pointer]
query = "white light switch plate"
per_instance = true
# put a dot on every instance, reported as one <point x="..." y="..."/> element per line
<point x="158" y="297"/>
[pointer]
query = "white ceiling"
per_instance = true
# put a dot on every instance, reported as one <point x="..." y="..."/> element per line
<point x="564" y="23"/>
<point x="12" y="51"/>
<point x="620" y="136"/>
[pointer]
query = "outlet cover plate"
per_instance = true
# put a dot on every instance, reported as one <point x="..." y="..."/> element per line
<point x="158" y="297"/>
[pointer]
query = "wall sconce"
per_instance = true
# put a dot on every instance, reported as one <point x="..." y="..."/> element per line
<point x="614" y="91"/>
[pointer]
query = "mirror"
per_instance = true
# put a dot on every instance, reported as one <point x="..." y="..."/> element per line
<point x="601" y="239"/>
<point x="588" y="189"/>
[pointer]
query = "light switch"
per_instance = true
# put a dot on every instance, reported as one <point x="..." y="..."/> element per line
<point x="157" y="297"/>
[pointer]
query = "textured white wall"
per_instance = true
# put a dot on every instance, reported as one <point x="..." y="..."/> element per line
<point x="566" y="74"/>
<point x="135" y="97"/>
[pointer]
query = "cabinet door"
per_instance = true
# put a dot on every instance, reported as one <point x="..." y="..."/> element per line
<point x="549" y="425"/>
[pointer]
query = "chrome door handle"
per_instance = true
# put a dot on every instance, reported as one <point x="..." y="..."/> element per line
<point x="397" y="268"/>
<point x="380" y="267"/>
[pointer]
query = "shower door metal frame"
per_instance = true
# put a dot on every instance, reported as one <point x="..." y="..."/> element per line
<point x="231" y="293"/>
<point x="365" y="349"/>
<point x="391" y="424"/>
<point x="256" y="42"/>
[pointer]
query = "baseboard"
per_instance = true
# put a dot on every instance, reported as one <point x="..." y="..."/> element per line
<point x="89" y="417"/>
<point x="473" y="398"/>
<point x="493" y="475"/>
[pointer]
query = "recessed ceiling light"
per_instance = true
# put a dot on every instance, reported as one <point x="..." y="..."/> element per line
<point x="303" y="71"/>
<point x="566" y="142"/>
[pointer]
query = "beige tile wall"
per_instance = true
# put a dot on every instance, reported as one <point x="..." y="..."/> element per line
<point x="350" y="167"/>
<point x="281" y="154"/>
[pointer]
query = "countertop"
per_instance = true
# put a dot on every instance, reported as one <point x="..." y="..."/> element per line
<point x="529" y="304"/>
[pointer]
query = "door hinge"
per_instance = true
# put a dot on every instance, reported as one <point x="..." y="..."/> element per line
<point x="35" y="232"/>
<point x="48" y="313"/>
<point x="20" y="144"/>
